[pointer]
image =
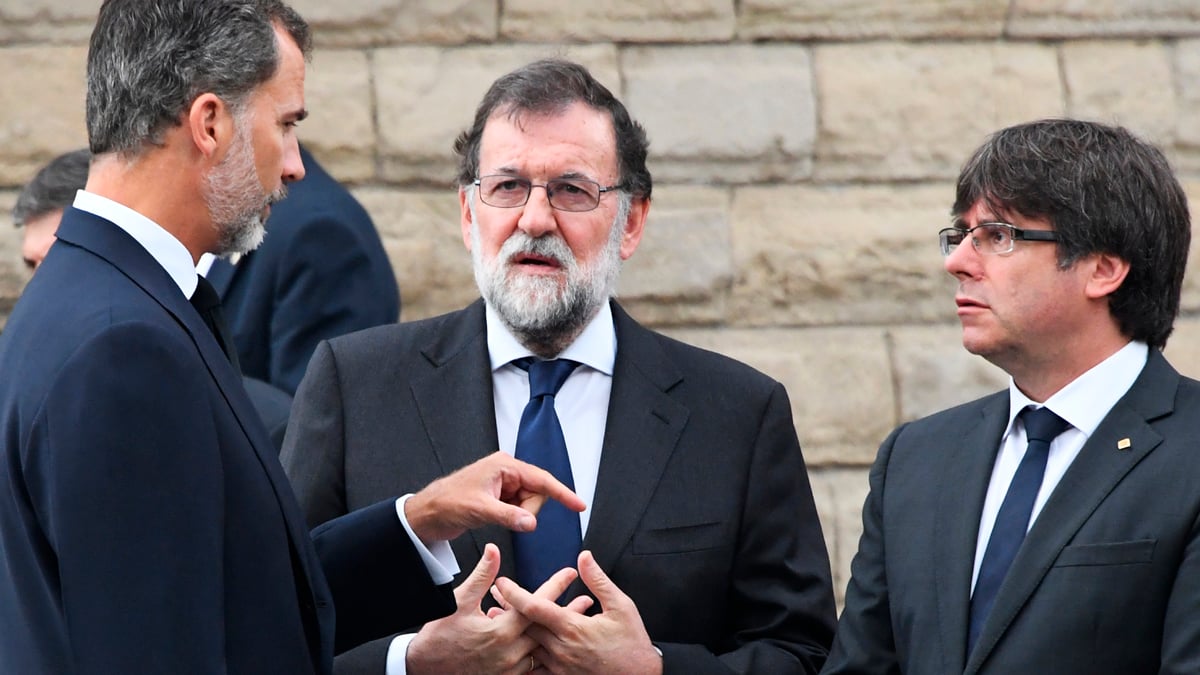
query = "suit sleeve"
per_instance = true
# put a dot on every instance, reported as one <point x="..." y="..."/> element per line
<point x="123" y="471"/>
<point x="864" y="642"/>
<point x="781" y="609"/>
<point x="328" y="286"/>
<point x="1181" y="631"/>
<point x="313" y="453"/>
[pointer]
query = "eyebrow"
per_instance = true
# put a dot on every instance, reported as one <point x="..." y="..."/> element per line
<point x="298" y="116"/>
<point x="566" y="175"/>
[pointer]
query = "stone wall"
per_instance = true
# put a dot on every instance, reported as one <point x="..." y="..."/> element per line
<point x="804" y="153"/>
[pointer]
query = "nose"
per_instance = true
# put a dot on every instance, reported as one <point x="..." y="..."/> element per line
<point x="963" y="261"/>
<point x="537" y="216"/>
<point x="293" y="165"/>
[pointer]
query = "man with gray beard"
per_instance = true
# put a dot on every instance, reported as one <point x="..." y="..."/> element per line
<point x="146" y="525"/>
<point x="700" y="548"/>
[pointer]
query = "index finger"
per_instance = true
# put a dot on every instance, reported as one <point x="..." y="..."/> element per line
<point x="540" y="481"/>
<point x="536" y="609"/>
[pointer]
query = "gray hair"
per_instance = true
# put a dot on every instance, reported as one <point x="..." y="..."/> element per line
<point x="549" y="86"/>
<point x="53" y="187"/>
<point x="149" y="59"/>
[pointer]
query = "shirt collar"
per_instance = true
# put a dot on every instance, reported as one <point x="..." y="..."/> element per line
<point x="166" y="250"/>
<point x="596" y="346"/>
<point x="1087" y="399"/>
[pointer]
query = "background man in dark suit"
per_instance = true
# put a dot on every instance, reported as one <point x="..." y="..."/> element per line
<point x="990" y="546"/>
<point x="702" y="545"/>
<point x="321" y="272"/>
<point x="145" y="523"/>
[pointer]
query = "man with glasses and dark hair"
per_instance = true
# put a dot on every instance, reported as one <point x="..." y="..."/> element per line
<point x="145" y="523"/>
<point x="700" y="550"/>
<point x="1053" y="527"/>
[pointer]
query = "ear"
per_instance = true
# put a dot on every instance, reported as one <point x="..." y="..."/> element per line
<point x="464" y="205"/>
<point x="634" y="226"/>
<point x="210" y="125"/>
<point x="1107" y="274"/>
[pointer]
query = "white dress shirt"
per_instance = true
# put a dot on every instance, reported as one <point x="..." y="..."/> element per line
<point x="581" y="405"/>
<point x="177" y="261"/>
<point x="1083" y="403"/>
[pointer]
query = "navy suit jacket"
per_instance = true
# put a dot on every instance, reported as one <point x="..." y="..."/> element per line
<point x="146" y="525"/>
<point x="702" y="513"/>
<point x="321" y="272"/>
<point x="1106" y="581"/>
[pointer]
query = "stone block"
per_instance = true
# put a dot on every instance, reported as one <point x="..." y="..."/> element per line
<point x="810" y="255"/>
<point x="426" y="96"/>
<point x="1124" y="83"/>
<point x="840" y="494"/>
<point x="1183" y="348"/>
<point x="423" y="240"/>
<point x="893" y="111"/>
<point x="869" y="19"/>
<point x="13" y="274"/>
<point x="724" y="114"/>
<point x="1187" y="91"/>
<point x="934" y="372"/>
<point x="1113" y="18"/>
<point x="41" y="108"/>
<point x="682" y="270"/>
<point x="838" y="380"/>
<point x="617" y="20"/>
<point x="1190" y="300"/>
<point x="57" y="21"/>
<point x="340" y="128"/>
<point x="381" y="22"/>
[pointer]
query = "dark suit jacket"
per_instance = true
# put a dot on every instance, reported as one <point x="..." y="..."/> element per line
<point x="321" y="272"/>
<point x="1107" y="581"/>
<point x="703" y="512"/>
<point x="145" y="523"/>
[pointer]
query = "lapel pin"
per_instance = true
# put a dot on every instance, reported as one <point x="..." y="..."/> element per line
<point x="1124" y="444"/>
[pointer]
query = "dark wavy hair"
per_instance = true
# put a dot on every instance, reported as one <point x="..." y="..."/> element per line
<point x="1104" y="191"/>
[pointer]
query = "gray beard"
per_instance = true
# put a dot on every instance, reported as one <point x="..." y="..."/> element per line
<point x="546" y="314"/>
<point x="233" y="194"/>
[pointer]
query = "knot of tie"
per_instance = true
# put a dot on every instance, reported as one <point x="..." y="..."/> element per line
<point x="546" y="377"/>
<point x="205" y="299"/>
<point x="1041" y="424"/>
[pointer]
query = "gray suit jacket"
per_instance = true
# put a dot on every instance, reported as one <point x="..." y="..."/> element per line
<point x="703" y="512"/>
<point x="1107" y="581"/>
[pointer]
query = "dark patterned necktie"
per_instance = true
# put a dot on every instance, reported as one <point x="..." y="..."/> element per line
<point x="556" y="542"/>
<point x="208" y="304"/>
<point x="1041" y="427"/>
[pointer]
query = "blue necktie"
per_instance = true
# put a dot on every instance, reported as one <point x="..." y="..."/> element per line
<point x="556" y="542"/>
<point x="1041" y="427"/>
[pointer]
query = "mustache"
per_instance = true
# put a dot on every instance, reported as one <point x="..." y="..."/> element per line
<point x="278" y="195"/>
<point x="547" y="246"/>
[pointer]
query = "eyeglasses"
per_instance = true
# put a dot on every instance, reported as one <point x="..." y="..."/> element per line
<point x="564" y="194"/>
<point x="992" y="238"/>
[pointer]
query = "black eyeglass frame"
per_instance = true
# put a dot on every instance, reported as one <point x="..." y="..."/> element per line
<point x="1015" y="234"/>
<point x="547" y="186"/>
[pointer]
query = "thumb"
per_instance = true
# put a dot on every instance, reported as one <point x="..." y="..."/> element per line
<point x="470" y="592"/>
<point x="598" y="583"/>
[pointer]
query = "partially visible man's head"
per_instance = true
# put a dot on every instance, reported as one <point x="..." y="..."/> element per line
<point x="547" y="264"/>
<point x="150" y="61"/>
<point x="1103" y="191"/>
<point x="40" y="205"/>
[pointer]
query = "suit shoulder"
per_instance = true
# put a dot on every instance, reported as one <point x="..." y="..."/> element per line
<point x="397" y="338"/>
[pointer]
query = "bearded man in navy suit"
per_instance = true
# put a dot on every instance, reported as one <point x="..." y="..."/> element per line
<point x="145" y="523"/>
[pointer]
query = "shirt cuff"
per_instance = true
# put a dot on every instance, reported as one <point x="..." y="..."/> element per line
<point x="438" y="557"/>
<point x="397" y="655"/>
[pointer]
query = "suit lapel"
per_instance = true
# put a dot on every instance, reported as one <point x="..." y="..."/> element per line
<point x="109" y="242"/>
<point x="454" y="398"/>
<point x="964" y="477"/>
<point x="643" y="428"/>
<point x="1097" y="469"/>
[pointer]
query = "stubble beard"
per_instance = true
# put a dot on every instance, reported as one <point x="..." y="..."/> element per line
<point x="234" y="196"/>
<point x="547" y="312"/>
